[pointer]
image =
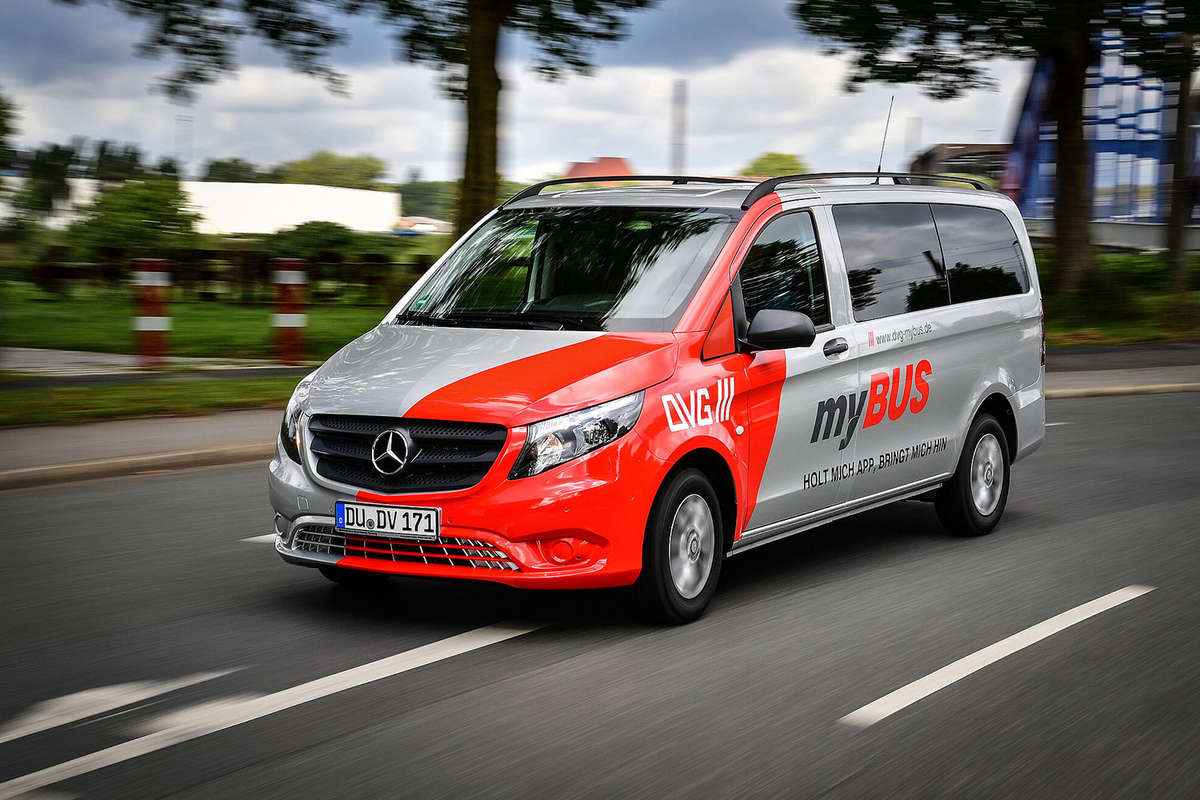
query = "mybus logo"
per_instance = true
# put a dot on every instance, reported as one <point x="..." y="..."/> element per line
<point x="871" y="405"/>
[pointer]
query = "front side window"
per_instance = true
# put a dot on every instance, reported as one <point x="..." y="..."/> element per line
<point x="592" y="268"/>
<point x="983" y="255"/>
<point x="893" y="258"/>
<point x="783" y="270"/>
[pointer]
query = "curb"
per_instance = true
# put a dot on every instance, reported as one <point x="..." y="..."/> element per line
<point x="243" y="453"/>
<point x="131" y="465"/>
<point x="1118" y="391"/>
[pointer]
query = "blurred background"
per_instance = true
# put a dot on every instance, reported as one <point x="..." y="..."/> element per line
<point x="360" y="136"/>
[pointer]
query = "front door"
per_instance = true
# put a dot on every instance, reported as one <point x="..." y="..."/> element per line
<point x="802" y="400"/>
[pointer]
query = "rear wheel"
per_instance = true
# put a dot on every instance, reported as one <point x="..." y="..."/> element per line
<point x="353" y="578"/>
<point x="972" y="501"/>
<point x="683" y="549"/>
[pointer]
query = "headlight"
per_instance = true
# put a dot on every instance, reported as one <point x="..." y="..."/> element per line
<point x="289" y="430"/>
<point x="558" y="440"/>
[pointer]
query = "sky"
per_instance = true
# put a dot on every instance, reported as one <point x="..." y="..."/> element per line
<point x="755" y="83"/>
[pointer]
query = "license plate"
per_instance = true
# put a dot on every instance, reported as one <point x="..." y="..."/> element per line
<point x="402" y="522"/>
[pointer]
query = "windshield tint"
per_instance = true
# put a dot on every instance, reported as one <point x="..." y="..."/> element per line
<point x="600" y="268"/>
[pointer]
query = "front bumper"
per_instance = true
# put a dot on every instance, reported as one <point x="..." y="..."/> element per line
<point x="576" y="526"/>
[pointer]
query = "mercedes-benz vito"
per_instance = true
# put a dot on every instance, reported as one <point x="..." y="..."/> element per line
<point x="625" y="385"/>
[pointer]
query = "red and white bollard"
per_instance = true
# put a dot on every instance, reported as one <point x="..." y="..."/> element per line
<point x="291" y="282"/>
<point x="152" y="310"/>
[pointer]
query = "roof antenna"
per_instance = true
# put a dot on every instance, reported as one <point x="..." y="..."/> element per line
<point x="879" y="168"/>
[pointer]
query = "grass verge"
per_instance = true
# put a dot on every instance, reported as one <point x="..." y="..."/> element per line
<point x="98" y="320"/>
<point x="70" y="404"/>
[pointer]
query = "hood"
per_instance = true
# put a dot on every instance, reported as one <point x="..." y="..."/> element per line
<point x="508" y="377"/>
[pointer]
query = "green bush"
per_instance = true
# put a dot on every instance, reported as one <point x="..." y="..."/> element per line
<point x="145" y="217"/>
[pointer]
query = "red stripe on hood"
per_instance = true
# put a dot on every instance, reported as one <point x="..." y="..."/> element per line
<point x="555" y="382"/>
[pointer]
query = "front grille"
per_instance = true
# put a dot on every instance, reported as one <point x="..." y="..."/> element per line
<point x="445" y="455"/>
<point x="454" y="552"/>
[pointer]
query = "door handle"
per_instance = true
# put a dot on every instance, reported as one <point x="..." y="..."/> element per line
<point x="835" y="347"/>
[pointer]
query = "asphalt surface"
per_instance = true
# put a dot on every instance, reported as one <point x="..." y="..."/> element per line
<point x="146" y="578"/>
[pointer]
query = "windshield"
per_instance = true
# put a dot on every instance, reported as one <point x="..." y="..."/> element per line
<point x="594" y="268"/>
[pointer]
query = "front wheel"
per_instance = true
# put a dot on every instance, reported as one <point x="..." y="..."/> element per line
<point x="683" y="549"/>
<point x="971" y="502"/>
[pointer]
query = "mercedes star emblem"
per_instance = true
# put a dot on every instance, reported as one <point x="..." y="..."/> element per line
<point x="389" y="452"/>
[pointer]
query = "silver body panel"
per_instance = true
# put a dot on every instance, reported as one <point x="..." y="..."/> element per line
<point x="391" y="368"/>
<point x="976" y="349"/>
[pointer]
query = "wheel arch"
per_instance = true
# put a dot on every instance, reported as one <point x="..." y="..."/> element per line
<point x="714" y="467"/>
<point x="1000" y="407"/>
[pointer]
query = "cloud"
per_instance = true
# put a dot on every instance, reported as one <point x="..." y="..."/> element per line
<point x="783" y="99"/>
<point x="754" y="84"/>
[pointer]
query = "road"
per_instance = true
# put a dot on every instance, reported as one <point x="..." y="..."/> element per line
<point x="145" y="584"/>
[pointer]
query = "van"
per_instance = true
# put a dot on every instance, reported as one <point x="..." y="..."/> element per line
<point x="626" y="385"/>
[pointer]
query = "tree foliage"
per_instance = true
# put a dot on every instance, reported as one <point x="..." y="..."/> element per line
<point x="147" y="217"/>
<point x="311" y="240"/>
<point x="233" y="170"/>
<point x="772" y="165"/>
<point x="947" y="47"/>
<point x="114" y="163"/>
<point x="8" y="128"/>
<point x="325" y="168"/>
<point x="460" y="38"/>
<point x="47" y="184"/>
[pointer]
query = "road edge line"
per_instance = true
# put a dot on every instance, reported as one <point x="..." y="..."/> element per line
<point x="968" y="665"/>
<point x="27" y="477"/>
<point x="1120" y="391"/>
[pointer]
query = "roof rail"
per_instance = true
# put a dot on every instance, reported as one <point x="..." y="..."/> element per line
<point x="536" y="189"/>
<point x="898" y="178"/>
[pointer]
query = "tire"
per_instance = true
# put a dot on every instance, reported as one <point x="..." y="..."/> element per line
<point x="683" y="550"/>
<point x="353" y="578"/>
<point x="972" y="501"/>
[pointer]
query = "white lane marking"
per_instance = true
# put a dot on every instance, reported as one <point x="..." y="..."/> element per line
<point x="1053" y="424"/>
<point x="219" y="716"/>
<point x="88" y="703"/>
<point x="186" y="717"/>
<point x="920" y="689"/>
<point x="266" y="538"/>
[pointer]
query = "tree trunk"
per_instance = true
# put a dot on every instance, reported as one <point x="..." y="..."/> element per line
<point x="1073" y="255"/>
<point x="484" y="19"/>
<point x="1182" y="193"/>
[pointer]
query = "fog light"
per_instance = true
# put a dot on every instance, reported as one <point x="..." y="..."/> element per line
<point x="280" y="526"/>
<point x="562" y="551"/>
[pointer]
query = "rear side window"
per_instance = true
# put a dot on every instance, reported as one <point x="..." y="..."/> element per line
<point x="783" y="270"/>
<point x="893" y="258"/>
<point x="982" y="253"/>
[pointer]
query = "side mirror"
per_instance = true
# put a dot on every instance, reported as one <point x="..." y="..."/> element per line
<point x="776" y="329"/>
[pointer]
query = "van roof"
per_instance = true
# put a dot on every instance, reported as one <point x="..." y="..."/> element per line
<point x="729" y="194"/>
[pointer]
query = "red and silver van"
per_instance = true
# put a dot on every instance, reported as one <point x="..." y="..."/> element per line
<point x="614" y="386"/>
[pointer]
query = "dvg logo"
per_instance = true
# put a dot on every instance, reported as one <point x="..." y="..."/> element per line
<point x="883" y="398"/>
<point x="700" y="408"/>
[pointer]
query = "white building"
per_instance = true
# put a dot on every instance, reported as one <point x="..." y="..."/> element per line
<point x="230" y="208"/>
<point x="268" y="207"/>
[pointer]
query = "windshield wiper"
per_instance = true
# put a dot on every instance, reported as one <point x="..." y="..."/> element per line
<point x="565" y="322"/>
<point x="424" y="319"/>
<point x="546" y="321"/>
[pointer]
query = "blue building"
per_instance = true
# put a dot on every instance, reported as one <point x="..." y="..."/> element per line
<point x="1129" y="123"/>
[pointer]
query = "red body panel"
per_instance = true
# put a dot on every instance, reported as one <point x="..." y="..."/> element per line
<point x="556" y="382"/>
